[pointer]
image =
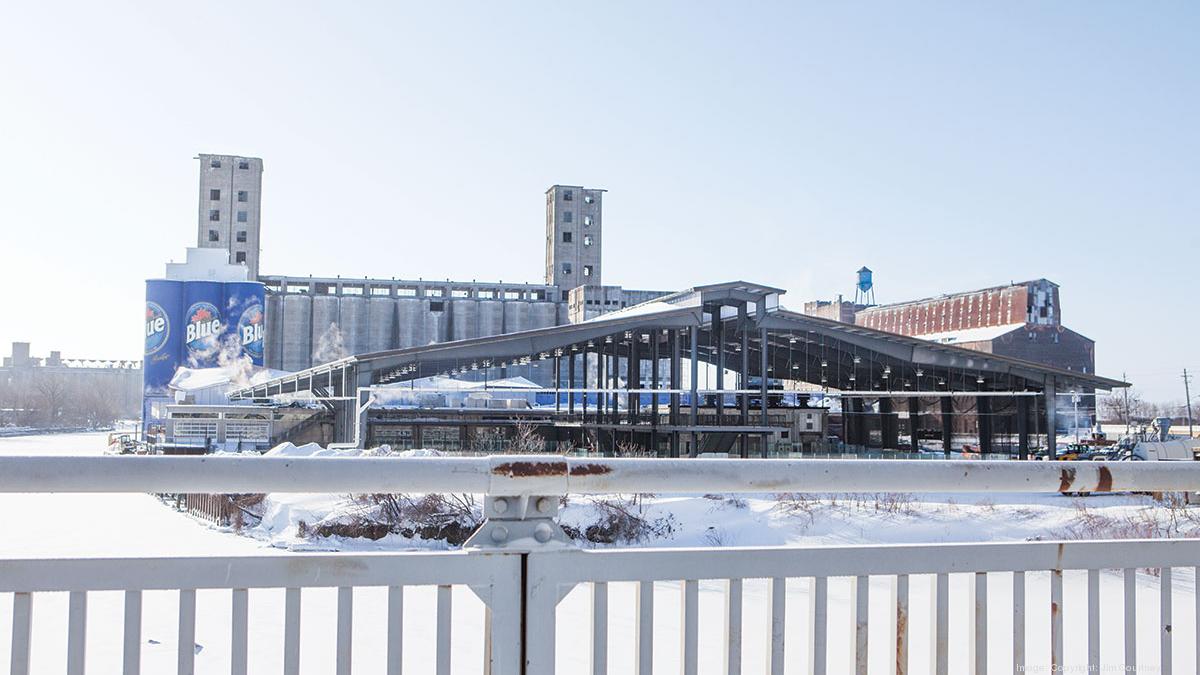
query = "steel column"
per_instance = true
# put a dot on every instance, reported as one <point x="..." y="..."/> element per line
<point x="889" y="424"/>
<point x="983" y="415"/>
<point x="674" y="414"/>
<point x="1051" y="395"/>
<point x="914" y="423"/>
<point x="762" y="370"/>
<point x="571" y="383"/>
<point x="1023" y="427"/>
<point x="694" y="414"/>
<point x="947" y="424"/>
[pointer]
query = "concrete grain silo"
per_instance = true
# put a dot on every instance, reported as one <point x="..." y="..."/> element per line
<point x="353" y="320"/>
<point x="464" y="319"/>
<point x="491" y="318"/>
<point x="381" y="322"/>
<point x="297" y="332"/>
<point x="516" y="316"/>
<point x="543" y="315"/>
<point x="411" y="314"/>
<point x="274" y="346"/>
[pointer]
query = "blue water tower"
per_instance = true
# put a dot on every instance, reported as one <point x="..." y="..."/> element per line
<point x="864" y="293"/>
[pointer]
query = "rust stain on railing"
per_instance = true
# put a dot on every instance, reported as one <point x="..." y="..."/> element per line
<point x="590" y="469"/>
<point x="1106" y="480"/>
<point x="901" y="640"/>
<point x="530" y="469"/>
<point x="1066" y="478"/>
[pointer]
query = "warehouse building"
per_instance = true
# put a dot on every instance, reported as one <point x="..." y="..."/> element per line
<point x="1019" y="320"/>
<point x="631" y="380"/>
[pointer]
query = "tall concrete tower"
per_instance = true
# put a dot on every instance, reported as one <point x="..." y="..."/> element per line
<point x="230" y="207"/>
<point x="573" y="225"/>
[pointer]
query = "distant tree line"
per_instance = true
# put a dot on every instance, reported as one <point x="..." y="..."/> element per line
<point x="1129" y="406"/>
<point x="46" y="397"/>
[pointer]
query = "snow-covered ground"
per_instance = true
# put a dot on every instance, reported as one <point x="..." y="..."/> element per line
<point x="139" y="525"/>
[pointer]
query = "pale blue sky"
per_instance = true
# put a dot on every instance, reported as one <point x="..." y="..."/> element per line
<point x="945" y="145"/>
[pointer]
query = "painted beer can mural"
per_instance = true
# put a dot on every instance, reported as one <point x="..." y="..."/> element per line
<point x="198" y="324"/>
<point x="245" y="320"/>
<point x="202" y="323"/>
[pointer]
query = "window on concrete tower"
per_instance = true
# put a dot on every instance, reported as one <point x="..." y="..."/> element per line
<point x="587" y="270"/>
<point x="240" y="257"/>
<point x="589" y="200"/>
<point x="241" y="236"/>
<point x="244" y="165"/>
<point x="214" y="215"/>
<point x="567" y="217"/>
<point x="241" y="216"/>
<point x="566" y="268"/>
<point x="216" y="163"/>
<point x="587" y="221"/>
<point x="213" y="235"/>
<point x="587" y="240"/>
<point x="243" y="196"/>
<point x="566" y="237"/>
<point x="214" y="195"/>
<point x="568" y="195"/>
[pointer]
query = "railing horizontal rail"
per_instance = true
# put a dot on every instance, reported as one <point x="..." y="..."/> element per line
<point x="536" y="474"/>
<point x="315" y="570"/>
<point x="844" y="561"/>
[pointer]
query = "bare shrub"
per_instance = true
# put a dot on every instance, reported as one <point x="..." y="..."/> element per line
<point x="900" y="503"/>
<point x="623" y="520"/>
<point x="526" y="439"/>
<point x="444" y="517"/>
<point x="716" y="536"/>
<point x="629" y="449"/>
<point x="799" y="504"/>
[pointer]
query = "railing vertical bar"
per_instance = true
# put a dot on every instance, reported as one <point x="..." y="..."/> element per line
<point x="599" y="613"/>
<point x="1056" y="621"/>
<point x="777" y="589"/>
<point x="1165" y="621"/>
<point x="395" y="630"/>
<point x="131" y="652"/>
<point x="76" y="632"/>
<point x="22" y="631"/>
<point x="644" y="657"/>
<point x="291" y="632"/>
<point x="820" y="600"/>
<point x="186" y="648"/>
<point x="1131" y="620"/>
<point x="981" y="623"/>
<point x="862" y="605"/>
<point x="942" y="624"/>
<point x="1131" y="611"/>
<point x="1093" y="600"/>
<point x="1018" y="594"/>
<point x="689" y="626"/>
<point x="733" y="627"/>
<point x="900" y="667"/>
<point x="239" y="627"/>
<point x="1196" y="600"/>
<point x="443" y="629"/>
<point x="345" y="629"/>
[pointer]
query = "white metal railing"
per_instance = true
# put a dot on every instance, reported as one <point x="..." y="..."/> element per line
<point x="990" y="570"/>
<point x="490" y="576"/>
<point x="521" y="566"/>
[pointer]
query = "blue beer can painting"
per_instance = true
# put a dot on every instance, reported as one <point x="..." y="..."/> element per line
<point x="245" y="320"/>
<point x="203" y="323"/>
<point x="164" y="333"/>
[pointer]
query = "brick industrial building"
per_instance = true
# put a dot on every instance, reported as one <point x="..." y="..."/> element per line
<point x="1019" y="320"/>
